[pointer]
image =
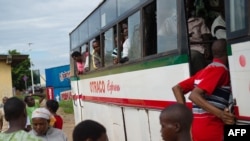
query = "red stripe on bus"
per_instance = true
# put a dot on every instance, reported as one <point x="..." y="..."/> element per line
<point x="238" y="116"/>
<point x="140" y="103"/>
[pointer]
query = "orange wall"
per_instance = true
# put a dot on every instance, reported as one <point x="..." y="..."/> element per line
<point x="5" y="80"/>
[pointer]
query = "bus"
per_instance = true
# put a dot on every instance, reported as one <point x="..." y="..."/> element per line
<point x="132" y="83"/>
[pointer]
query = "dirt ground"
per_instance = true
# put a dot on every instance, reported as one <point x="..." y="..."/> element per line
<point x="68" y="123"/>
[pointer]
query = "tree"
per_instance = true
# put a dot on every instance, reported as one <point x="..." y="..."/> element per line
<point x="19" y="71"/>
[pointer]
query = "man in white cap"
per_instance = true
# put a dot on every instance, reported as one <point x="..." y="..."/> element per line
<point x="41" y="128"/>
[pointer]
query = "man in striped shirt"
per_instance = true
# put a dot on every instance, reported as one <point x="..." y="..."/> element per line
<point x="210" y="94"/>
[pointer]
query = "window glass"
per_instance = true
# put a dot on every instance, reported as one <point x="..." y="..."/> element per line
<point x="108" y="47"/>
<point x="74" y="39"/>
<point x="83" y="31"/>
<point x="237" y="15"/>
<point x="95" y="23"/>
<point x="166" y="25"/>
<point x="125" y="5"/>
<point x="134" y="37"/>
<point x="108" y="12"/>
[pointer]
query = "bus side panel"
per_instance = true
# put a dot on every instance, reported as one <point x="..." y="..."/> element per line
<point x="76" y="104"/>
<point x="154" y="124"/>
<point x="109" y="116"/>
<point x="240" y="77"/>
<point x="136" y="122"/>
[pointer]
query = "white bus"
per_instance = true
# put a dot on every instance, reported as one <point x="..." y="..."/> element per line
<point x="127" y="97"/>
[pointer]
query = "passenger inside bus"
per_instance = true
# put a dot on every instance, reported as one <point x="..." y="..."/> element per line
<point x="96" y="54"/>
<point x="126" y="44"/>
<point x="77" y="57"/>
<point x="85" y="58"/>
<point x="115" y="50"/>
<point x="218" y="28"/>
<point x="199" y="34"/>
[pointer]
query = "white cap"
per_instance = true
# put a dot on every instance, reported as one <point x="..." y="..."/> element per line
<point x="41" y="113"/>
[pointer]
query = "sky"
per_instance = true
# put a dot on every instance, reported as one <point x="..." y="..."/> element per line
<point x="40" y="28"/>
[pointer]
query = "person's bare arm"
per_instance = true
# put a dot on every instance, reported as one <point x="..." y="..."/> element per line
<point x="179" y="95"/>
<point x="41" y="97"/>
<point x="197" y="98"/>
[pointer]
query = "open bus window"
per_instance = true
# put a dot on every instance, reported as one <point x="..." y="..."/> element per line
<point x="166" y="25"/>
<point x="131" y="46"/>
<point x="85" y="57"/>
<point x="95" y="50"/>
<point x="149" y="29"/>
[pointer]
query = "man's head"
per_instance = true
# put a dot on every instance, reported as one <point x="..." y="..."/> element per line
<point x="40" y="120"/>
<point x="52" y="106"/>
<point x="175" y="121"/>
<point x="219" y="49"/>
<point x="89" y="130"/>
<point x="14" y="109"/>
<point x="4" y="99"/>
<point x="29" y="100"/>
<point x="96" y="46"/>
<point x="76" y="55"/>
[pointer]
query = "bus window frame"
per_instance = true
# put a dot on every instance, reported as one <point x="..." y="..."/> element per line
<point x="238" y="33"/>
<point x="181" y="49"/>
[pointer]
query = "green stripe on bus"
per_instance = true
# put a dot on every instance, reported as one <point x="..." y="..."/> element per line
<point x="122" y="68"/>
<point x="229" y="50"/>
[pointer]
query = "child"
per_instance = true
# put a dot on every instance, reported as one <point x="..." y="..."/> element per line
<point x="52" y="106"/>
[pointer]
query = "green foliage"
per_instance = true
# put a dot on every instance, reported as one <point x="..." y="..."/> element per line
<point x="67" y="106"/>
<point x="19" y="71"/>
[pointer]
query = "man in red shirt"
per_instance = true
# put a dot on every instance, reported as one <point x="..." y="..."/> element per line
<point x="210" y="94"/>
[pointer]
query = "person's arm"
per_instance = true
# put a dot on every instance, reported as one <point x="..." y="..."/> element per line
<point x="197" y="98"/>
<point x="178" y="93"/>
<point x="41" y="97"/>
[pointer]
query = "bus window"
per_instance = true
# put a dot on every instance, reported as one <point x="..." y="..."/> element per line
<point x="134" y="37"/>
<point x="236" y="17"/>
<point x="85" y="56"/>
<point x="166" y="25"/>
<point x="149" y="29"/>
<point x="108" y="47"/>
<point x="125" y="5"/>
<point x="73" y="62"/>
<point x="95" y="49"/>
<point x="108" y="12"/>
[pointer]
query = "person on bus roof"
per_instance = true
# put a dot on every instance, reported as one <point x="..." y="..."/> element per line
<point x="210" y="95"/>
<point x="176" y="123"/>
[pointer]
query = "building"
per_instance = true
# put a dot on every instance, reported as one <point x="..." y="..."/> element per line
<point x="6" y="64"/>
